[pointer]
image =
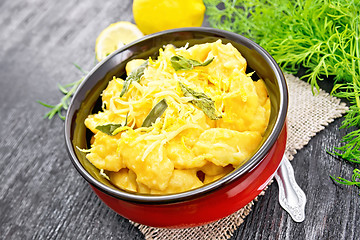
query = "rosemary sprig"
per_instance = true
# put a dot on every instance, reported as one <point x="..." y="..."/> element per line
<point x="68" y="90"/>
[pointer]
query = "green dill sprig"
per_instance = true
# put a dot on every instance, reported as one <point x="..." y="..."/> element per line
<point x="355" y="179"/>
<point x="68" y="90"/>
<point x="351" y="149"/>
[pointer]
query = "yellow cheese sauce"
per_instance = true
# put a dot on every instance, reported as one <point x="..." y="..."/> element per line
<point x="182" y="148"/>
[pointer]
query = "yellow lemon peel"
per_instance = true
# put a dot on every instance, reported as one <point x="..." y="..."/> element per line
<point x="115" y="36"/>
<point x="157" y="15"/>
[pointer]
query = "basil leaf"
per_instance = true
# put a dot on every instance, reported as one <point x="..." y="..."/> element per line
<point x="155" y="113"/>
<point x="181" y="63"/>
<point x="134" y="76"/>
<point x="110" y="128"/>
<point x="201" y="101"/>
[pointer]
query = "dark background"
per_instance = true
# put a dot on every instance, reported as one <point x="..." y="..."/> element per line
<point x="41" y="194"/>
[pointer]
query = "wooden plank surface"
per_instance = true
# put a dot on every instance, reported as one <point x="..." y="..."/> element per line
<point x="41" y="194"/>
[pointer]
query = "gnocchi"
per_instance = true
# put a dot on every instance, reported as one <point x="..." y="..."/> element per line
<point x="204" y="117"/>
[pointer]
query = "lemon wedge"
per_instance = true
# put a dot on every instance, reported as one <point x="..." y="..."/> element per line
<point x="115" y="36"/>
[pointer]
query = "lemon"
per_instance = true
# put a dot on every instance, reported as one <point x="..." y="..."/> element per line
<point x="158" y="15"/>
<point x="115" y="36"/>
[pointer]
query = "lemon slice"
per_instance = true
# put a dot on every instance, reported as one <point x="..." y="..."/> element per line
<point x="115" y="36"/>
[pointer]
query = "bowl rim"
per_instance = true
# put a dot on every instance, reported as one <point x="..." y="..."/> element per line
<point x="208" y="188"/>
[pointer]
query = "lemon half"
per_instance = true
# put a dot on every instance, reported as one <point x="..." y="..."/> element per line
<point x="115" y="36"/>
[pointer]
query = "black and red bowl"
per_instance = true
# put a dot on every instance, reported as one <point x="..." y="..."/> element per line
<point x="212" y="201"/>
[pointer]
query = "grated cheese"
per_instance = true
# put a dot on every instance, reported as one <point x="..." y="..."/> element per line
<point x="183" y="140"/>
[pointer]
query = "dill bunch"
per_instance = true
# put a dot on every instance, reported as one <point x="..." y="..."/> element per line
<point x="321" y="36"/>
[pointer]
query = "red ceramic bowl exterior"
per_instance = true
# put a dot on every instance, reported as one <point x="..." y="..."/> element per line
<point x="212" y="201"/>
<point x="211" y="207"/>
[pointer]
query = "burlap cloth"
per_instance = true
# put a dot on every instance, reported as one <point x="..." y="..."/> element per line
<point x="317" y="111"/>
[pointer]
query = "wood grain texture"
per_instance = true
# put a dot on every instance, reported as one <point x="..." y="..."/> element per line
<point x="41" y="194"/>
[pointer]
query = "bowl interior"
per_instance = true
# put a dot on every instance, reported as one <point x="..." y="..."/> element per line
<point x="87" y="99"/>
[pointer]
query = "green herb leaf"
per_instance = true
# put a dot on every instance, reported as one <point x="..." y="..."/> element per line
<point x="45" y="104"/>
<point x="134" y="76"/>
<point x="202" y="101"/>
<point x="181" y="63"/>
<point x="155" y="113"/>
<point x="108" y="128"/>
<point x="62" y="89"/>
<point x="111" y="128"/>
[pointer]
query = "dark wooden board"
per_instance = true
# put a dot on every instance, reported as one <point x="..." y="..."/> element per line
<point x="41" y="194"/>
